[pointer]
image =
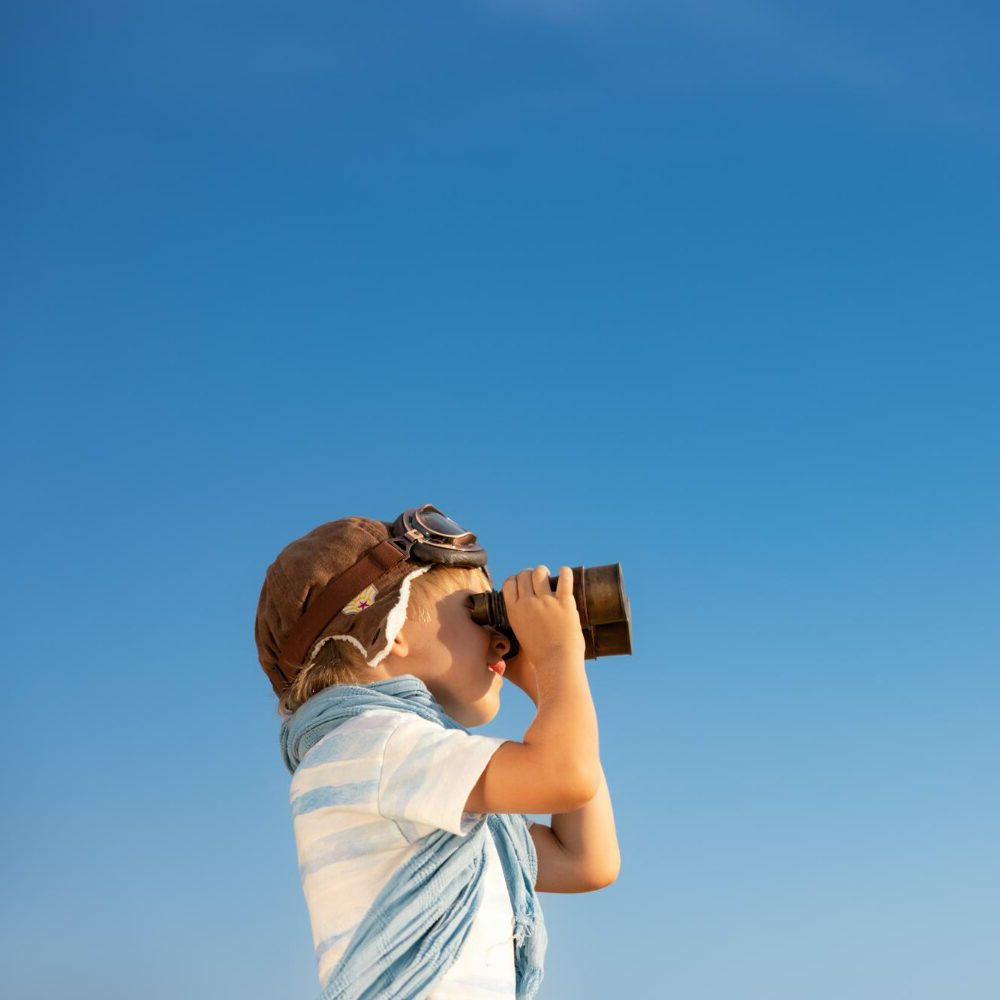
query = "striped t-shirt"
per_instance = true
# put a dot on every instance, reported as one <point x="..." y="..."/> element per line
<point x="361" y="799"/>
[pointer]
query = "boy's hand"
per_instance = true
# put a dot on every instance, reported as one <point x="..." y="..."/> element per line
<point x="545" y="621"/>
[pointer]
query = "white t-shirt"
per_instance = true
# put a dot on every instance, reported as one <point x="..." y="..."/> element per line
<point x="361" y="798"/>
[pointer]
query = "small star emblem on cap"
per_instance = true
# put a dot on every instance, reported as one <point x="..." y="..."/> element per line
<point x="363" y="600"/>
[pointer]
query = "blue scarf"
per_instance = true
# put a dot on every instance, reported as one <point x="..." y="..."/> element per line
<point x="417" y="925"/>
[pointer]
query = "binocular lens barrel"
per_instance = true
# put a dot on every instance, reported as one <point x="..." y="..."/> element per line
<point x="603" y="606"/>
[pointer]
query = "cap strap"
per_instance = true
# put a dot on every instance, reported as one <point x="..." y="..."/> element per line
<point x="332" y="598"/>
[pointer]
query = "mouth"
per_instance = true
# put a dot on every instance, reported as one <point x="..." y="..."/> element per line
<point x="498" y="667"/>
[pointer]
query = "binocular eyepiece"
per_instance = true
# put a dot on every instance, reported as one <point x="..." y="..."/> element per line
<point x="605" y="615"/>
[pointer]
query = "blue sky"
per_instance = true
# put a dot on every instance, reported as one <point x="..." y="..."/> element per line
<point x="705" y="289"/>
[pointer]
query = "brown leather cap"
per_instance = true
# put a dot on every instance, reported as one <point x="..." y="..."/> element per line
<point x="301" y="606"/>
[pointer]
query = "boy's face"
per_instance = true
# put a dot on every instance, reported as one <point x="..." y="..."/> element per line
<point x="450" y="654"/>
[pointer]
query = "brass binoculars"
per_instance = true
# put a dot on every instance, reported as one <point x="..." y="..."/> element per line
<point x="601" y="601"/>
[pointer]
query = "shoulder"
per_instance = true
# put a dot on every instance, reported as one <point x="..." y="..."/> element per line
<point x="427" y="772"/>
<point x="362" y="736"/>
<point x="412" y="733"/>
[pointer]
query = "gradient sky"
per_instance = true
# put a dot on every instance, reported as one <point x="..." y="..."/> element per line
<point x="708" y="289"/>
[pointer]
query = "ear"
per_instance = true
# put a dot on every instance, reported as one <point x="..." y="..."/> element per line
<point x="400" y="647"/>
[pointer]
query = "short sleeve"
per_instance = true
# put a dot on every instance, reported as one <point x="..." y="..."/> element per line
<point x="428" y="772"/>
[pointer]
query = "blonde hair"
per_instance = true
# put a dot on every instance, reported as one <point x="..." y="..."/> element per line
<point x="343" y="663"/>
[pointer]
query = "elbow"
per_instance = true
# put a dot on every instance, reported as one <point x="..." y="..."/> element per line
<point x="586" y="786"/>
<point x="573" y="787"/>
<point x="602" y="879"/>
<point x="613" y="871"/>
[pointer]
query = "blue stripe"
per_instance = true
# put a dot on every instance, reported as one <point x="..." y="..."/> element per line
<point x="329" y="795"/>
<point x="343" y="746"/>
<point x="413" y="774"/>
<point x="346" y="845"/>
<point x="327" y="943"/>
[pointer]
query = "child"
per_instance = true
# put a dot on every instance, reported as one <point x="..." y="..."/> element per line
<point x="418" y="866"/>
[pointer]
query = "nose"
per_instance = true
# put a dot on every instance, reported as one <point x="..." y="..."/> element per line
<point x="499" y="643"/>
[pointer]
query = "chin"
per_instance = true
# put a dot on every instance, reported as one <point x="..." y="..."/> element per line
<point x="482" y="712"/>
<point x="490" y="710"/>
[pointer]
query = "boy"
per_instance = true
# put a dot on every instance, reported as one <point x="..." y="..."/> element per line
<point x="418" y="866"/>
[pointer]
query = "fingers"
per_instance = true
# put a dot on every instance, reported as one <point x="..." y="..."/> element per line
<point x="540" y="580"/>
<point x="528" y="583"/>
<point x="518" y="585"/>
<point x="564" y="585"/>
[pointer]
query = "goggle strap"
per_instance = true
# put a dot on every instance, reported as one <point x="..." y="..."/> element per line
<point x="332" y="598"/>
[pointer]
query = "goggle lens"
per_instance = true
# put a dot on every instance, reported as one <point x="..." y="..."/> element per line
<point x="439" y="524"/>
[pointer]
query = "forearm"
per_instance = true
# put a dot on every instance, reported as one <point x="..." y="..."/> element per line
<point x="588" y="836"/>
<point x="565" y="725"/>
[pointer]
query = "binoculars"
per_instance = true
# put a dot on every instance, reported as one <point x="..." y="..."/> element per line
<point x="605" y="615"/>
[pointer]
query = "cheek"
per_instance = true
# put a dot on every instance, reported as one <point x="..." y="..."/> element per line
<point x="477" y="640"/>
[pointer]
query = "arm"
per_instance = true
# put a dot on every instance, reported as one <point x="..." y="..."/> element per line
<point x="579" y="851"/>
<point x="556" y="768"/>
<point x="588" y="837"/>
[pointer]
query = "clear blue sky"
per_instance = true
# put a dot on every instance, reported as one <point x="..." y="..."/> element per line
<point x="709" y="289"/>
